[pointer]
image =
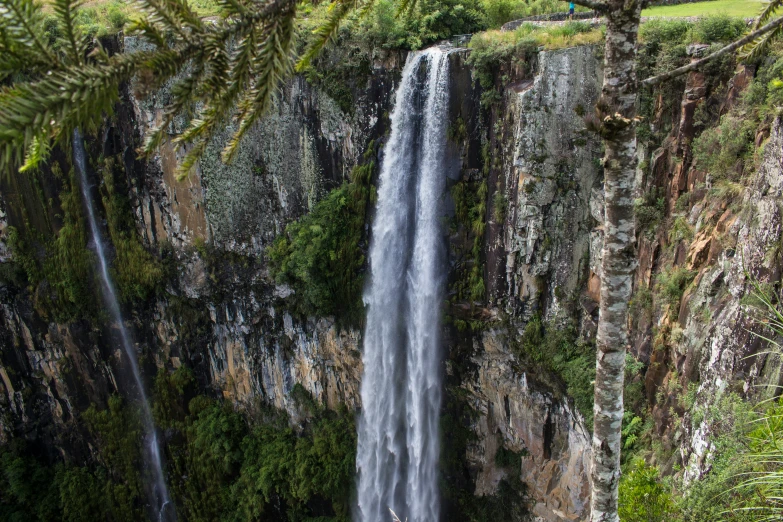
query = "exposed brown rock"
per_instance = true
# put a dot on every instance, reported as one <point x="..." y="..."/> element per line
<point x="647" y="253"/>
<point x="725" y="221"/>
<point x="526" y="416"/>
<point x="737" y="85"/>
<point x="594" y="287"/>
<point x="699" y="250"/>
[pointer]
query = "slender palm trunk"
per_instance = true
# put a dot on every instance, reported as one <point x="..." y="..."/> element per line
<point x="616" y="111"/>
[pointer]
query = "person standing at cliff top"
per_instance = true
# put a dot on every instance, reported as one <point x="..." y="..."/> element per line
<point x="571" y="8"/>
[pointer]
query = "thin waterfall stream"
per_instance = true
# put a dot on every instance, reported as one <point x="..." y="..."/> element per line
<point x="160" y="499"/>
<point x="398" y="446"/>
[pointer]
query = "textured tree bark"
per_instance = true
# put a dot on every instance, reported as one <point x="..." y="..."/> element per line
<point x="616" y="111"/>
<point x="616" y="118"/>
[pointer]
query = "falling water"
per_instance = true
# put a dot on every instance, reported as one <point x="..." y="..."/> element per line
<point x="397" y="453"/>
<point x="161" y="501"/>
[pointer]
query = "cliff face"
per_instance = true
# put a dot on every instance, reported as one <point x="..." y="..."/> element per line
<point x="303" y="148"/>
<point x="221" y="315"/>
<point x="536" y="259"/>
<point x="219" y="312"/>
<point x="707" y="344"/>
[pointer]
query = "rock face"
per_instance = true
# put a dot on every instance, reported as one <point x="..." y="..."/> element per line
<point x="303" y="148"/>
<point x="523" y="415"/>
<point x="708" y="343"/>
<point x="219" y="314"/>
<point x="536" y="264"/>
<point x="550" y="181"/>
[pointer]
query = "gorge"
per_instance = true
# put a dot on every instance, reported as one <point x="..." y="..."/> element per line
<point x="389" y="298"/>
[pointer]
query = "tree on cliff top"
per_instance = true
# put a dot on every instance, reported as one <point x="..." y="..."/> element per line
<point x="233" y="65"/>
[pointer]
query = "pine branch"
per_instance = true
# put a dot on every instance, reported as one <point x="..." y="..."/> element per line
<point x="264" y="58"/>
<point x="150" y="32"/>
<point x="218" y="66"/>
<point x="48" y="109"/>
<point x="224" y="90"/>
<point x="170" y="15"/>
<point x="232" y="8"/>
<point x="183" y="11"/>
<point x="774" y="25"/>
<point x="23" y="18"/>
<point x="326" y="32"/>
<point x="766" y="14"/>
<point x="65" y="11"/>
<point x="222" y="100"/>
<point x="236" y="64"/>
<point x="183" y="93"/>
<point x="274" y="64"/>
<point x="755" y="49"/>
<point x="14" y="58"/>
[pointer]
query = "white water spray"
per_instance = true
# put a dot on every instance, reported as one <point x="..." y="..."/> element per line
<point x="161" y="501"/>
<point x="398" y="448"/>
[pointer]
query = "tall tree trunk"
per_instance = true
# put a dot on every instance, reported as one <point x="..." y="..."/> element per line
<point x="616" y="111"/>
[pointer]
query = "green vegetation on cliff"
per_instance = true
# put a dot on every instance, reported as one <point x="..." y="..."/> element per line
<point x="56" y="263"/>
<point x="557" y="347"/>
<point x="739" y="8"/>
<point x="380" y="26"/>
<point x="470" y="209"/>
<point x="643" y="498"/>
<point x="736" y="478"/>
<point x="111" y="490"/>
<point x="322" y="255"/>
<point x="136" y="271"/>
<point x="494" y="54"/>
<point x="53" y="256"/>
<point x="742" y="484"/>
<point x="222" y="465"/>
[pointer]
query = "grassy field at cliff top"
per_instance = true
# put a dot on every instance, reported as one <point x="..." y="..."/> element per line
<point x="740" y="8"/>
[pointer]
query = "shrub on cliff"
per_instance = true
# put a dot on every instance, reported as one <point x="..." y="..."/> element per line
<point x="558" y="348"/>
<point x="221" y="464"/>
<point x="322" y="255"/>
<point x="429" y="22"/>
<point x="498" y="12"/>
<point x="642" y="496"/>
<point x="26" y="487"/>
<point x="494" y="53"/>
<point x="717" y="28"/>
<point x="230" y="466"/>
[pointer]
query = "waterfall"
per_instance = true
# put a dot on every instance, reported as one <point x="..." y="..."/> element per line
<point x="397" y="452"/>
<point x="161" y="502"/>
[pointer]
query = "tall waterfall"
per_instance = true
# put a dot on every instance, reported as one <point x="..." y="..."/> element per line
<point x="161" y="502"/>
<point x="398" y="446"/>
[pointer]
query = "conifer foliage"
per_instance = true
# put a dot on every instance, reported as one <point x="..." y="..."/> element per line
<point x="756" y="48"/>
<point x="226" y="68"/>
